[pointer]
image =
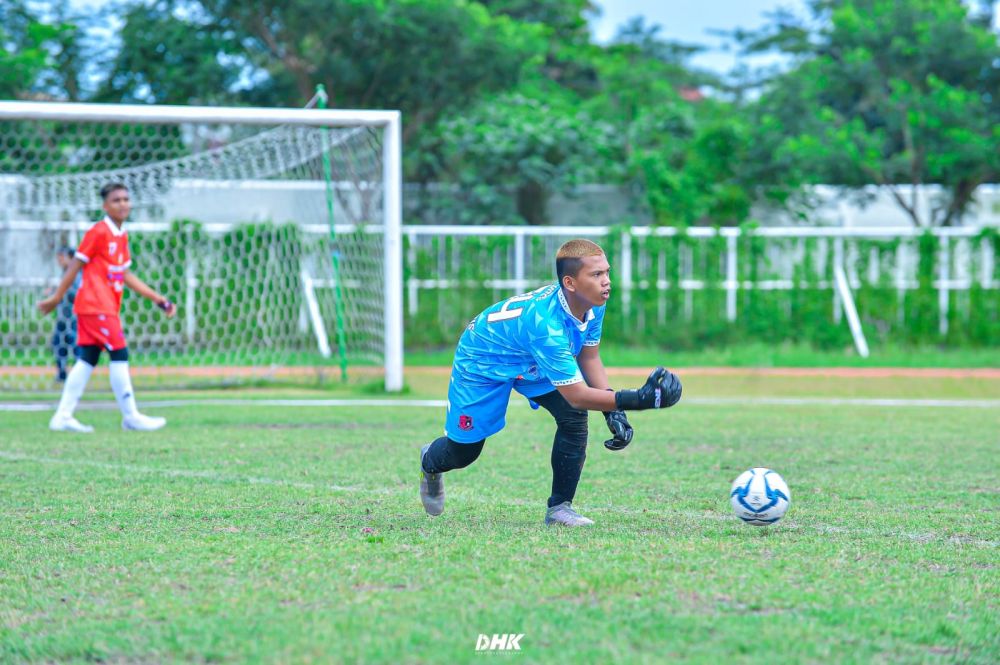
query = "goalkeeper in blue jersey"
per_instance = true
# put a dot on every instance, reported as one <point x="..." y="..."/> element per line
<point x="544" y="345"/>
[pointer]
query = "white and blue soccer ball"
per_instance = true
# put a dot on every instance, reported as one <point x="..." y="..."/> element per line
<point x="760" y="496"/>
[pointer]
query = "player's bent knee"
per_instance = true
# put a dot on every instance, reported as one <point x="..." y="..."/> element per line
<point x="573" y="438"/>
<point x="573" y="422"/>
<point x="462" y="455"/>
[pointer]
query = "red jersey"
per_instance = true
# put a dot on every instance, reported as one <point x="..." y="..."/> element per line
<point x="104" y="250"/>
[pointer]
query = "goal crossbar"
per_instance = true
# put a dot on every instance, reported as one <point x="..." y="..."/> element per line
<point x="151" y="113"/>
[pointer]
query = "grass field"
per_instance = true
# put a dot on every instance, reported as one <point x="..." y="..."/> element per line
<point x="279" y="534"/>
<point x="772" y="355"/>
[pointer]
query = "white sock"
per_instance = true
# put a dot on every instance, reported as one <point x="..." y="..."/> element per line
<point x="76" y="382"/>
<point x="121" y="383"/>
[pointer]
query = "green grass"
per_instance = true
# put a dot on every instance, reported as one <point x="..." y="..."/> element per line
<point x="764" y="355"/>
<point x="746" y="355"/>
<point x="295" y="535"/>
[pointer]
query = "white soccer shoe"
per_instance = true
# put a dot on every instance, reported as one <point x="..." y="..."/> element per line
<point x="142" y="423"/>
<point x="564" y="514"/>
<point x="68" y="424"/>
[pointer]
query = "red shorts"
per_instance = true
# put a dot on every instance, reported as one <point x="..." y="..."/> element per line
<point x="104" y="330"/>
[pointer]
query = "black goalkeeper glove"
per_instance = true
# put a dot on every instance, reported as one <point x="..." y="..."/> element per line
<point x="621" y="431"/>
<point x="662" y="389"/>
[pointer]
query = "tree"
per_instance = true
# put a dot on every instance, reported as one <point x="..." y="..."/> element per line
<point x="25" y="49"/>
<point x="69" y="54"/>
<point x="512" y="145"/>
<point x="646" y="40"/>
<point x="890" y="93"/>
<point x="569" y="53"/>
<point x="171" y="53"/>
<point x="686" y="155"/>
<point x="421" y="56"/>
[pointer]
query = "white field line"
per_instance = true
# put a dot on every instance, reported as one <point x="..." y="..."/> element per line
<point x="847" y="401"/>
<point x="440" y="403"/>
<point x="170" y="403"/>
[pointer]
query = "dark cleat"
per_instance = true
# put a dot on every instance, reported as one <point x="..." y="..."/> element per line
<point x="431" y="487"/>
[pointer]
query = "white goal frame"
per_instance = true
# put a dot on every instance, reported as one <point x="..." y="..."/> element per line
<point x="389" y="122"/>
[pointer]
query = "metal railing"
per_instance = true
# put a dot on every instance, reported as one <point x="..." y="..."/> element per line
<point x="525" y="260"/>
<point x="954" y="264"/>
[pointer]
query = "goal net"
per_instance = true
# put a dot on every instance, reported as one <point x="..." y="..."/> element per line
<point x="276" y="232"/>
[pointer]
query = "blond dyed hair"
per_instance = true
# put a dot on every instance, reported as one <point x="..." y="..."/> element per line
<point x="569" y="258"/>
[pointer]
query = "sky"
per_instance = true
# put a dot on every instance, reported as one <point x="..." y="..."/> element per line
<point x="691" y="20"/>
<point x="682" y="20"/>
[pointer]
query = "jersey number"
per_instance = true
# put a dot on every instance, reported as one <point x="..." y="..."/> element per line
<point x="504" y="313"/>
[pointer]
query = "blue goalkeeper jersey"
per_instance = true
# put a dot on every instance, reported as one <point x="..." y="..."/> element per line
<point x="530" y="337"/>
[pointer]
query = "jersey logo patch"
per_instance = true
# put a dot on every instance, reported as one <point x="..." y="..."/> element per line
<point x="112" y="246"/>
<point x="465" y="423"/>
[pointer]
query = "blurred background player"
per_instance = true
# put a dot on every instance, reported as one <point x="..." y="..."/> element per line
<point x="544" y="345"/>
<point x="64" y="334"/>
<point x="104" y="259"/>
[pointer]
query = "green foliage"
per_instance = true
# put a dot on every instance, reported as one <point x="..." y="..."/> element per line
<point x="167" y="59"/>
<point x="45" y="147"/>
<point x="44" y="50"/>
<point x="443" y="313"/>
<point x="698" y="180"/>
<point x="658" y="312"/>
<point x="248" y="295"/>
<point x="889" y="93"/>
<point x="511" y="153"/>
<point x="420" y="56"/>
<point x="507" y="102"/>
<point x="24" y="52"/>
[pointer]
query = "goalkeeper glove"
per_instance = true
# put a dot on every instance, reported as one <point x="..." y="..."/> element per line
<point x="621" y="431"/>
<point x="662" y="389"/>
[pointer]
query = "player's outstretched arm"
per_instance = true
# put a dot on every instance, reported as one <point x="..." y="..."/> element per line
<point x="662" y="389"/>
<point x="583" y="397"/>
<point x="146" y="291"/>
<point x="50" y="303"/>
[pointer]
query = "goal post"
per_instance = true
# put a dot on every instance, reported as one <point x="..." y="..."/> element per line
<point x="230" y="215"/>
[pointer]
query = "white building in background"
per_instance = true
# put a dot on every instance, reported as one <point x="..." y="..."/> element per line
<point x="27" y="255"/>
<point x="876" y="206"/>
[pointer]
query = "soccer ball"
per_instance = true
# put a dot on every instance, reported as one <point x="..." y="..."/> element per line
<point x="760" y="496"/>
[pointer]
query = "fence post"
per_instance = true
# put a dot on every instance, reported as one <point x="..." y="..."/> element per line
<point x="519" y="261"/>
<point x="944" y="276"/>
<point x="731" y="283"/>
<point x="843" y="286"/>
<point x="838" y="260"/>
<point x="661" y="288"/>
<point x="413" y="283"/>
<point x="901" y="259"/>
<point x="626" y="272"/>
<point x="986" y="264"/>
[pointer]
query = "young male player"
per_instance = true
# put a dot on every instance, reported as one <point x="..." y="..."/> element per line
<point x="544" y="345"/>
<point x="104" y="257"/>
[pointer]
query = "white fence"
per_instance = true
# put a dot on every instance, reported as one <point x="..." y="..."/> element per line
<point x="525" y="260"/>
<point x="958" y="267"/>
